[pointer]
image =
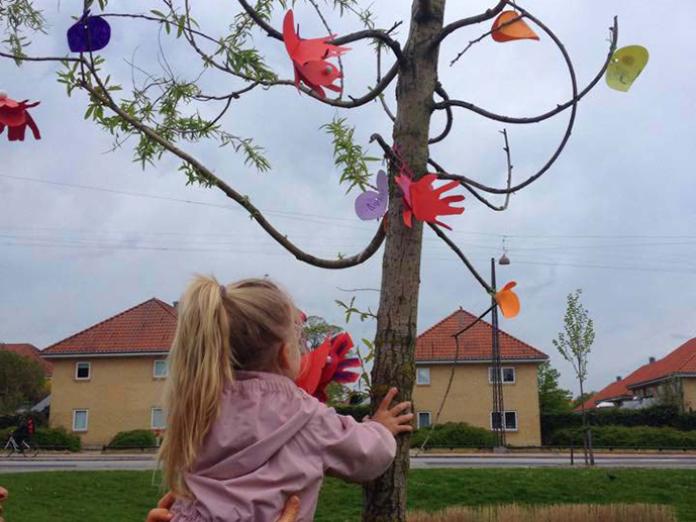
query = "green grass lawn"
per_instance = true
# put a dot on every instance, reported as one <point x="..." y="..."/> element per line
<point x="124" y="496"/>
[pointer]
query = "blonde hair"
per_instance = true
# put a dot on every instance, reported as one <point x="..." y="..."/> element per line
<point x="219" y="329"/>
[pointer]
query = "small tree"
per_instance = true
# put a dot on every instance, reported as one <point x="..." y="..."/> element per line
<point x="574" y="344"/>
<point x="552" y="398"/>
<point x="21" y="382"/>
<point x="316" y="329"/>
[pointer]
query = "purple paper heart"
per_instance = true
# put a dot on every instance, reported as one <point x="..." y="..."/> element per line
<point x="88" y="34"/>
<point x="373" y="205"/>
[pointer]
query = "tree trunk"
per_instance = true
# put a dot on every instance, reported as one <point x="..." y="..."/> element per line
<point x="385" y="498"/>
<point x="586" y="432"/>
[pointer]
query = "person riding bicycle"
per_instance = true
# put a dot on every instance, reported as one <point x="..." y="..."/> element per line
<point x="24" y="433"/>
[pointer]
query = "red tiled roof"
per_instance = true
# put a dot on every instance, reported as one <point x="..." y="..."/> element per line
<point x="147" y="327"/>
<point x="30" y="352"/>
<point x="437" y="342"/>
<point x="680" y="361"/>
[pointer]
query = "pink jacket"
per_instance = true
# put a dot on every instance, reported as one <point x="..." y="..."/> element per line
<point x="272" y="440"/>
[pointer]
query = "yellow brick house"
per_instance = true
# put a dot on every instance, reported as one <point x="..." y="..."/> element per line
<point x="110" y="377"/>
<point x="470" y="399"/>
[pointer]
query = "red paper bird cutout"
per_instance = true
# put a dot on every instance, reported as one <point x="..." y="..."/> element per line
<point x="309" y="58"/>
<point x="16" y="118"/>
<point x="423" y="201"/>
<point x="327" y="364"/>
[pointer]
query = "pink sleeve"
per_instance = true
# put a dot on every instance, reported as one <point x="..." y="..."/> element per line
<point x="351" y="450"/>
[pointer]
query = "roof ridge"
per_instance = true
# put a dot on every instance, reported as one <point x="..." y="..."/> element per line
<point x="169" y="308"/>
<point x="460" y="309"/>
<point x="100" y="323"/>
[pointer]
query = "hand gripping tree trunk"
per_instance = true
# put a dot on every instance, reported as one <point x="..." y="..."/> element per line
<point x="385" y="498"/>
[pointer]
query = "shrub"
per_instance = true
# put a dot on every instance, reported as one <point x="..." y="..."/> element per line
<point x="628" y="437"/>
<point x="57" y="438"/>
<point x="656" y="416"/>
<point x="5" y="433"/>
<point x="358" y="412"/>
<point x="133" y="439"/>
<point x="454" y="435"/>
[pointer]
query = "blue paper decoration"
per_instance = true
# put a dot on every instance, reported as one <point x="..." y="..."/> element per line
<point x="90" y="33"/>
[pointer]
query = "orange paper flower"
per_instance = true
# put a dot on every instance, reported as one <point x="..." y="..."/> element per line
<point x="507" y="300"/>
<point x="517" y="30"/>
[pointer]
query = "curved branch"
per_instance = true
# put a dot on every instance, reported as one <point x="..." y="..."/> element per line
<point x="450" y="28"/>
<point x="450" y="117"/>
<point x="461" y="256"/>
<point x="571" y="120"/>
<point x="242" y="200"/>
<point x="560" y="108"/>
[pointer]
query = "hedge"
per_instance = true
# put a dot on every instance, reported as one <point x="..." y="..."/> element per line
<point x="454" y="435"/>
<point x="628" y="437"/>
<point x="7" y="421"/>
<point x="57" y="438"/>
<point x="358" y="412"/>
<point x="5" y="434"/>
<point x="133" y="439"/>
<point x="656" y="416"/>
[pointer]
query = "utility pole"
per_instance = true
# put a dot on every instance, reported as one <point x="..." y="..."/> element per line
<point x="497" y="384"/>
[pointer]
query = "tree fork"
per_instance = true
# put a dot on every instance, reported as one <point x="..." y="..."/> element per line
<point x="395" y="341"/>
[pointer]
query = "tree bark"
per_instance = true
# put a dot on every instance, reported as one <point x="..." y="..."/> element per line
<point x="385" y="498"/>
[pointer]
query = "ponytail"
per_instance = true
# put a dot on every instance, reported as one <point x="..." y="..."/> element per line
<point x="200" y="366"/>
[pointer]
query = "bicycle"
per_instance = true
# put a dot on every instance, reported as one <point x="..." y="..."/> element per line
<point x="23" y="447"/>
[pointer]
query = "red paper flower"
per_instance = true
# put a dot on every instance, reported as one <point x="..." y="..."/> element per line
<point x="16" y="118"/>
<point x="309" y="58"/>
<point x="423" y="200"/>
<point x="328" y="363"/>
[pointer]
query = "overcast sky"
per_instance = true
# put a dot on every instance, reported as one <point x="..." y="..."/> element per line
<point x="615" y="216"/>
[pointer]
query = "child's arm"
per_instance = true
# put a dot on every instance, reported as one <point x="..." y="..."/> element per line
<point x="359" y="451"/>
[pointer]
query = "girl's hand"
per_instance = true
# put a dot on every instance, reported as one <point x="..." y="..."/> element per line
<point x="394" y="419"/>
<point x="162" y="514"/>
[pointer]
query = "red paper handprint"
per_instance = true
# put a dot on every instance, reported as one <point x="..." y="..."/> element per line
<point x="424" y="201"/>
<point x="16" y="118"/>
<point x="309" y="58"/>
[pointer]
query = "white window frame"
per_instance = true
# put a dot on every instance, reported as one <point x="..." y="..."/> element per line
<point x="502" y="373"/>
<point x="418" y="379"/>
<point x="503" y="420"/>
<point x="89" y="371"/>
<point x="74" y="417"/>
<point x="154" y="369"/>
<point x="152" y="419"/>
<point x="430" y="418"/>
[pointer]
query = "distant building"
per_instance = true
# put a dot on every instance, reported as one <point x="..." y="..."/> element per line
<point x="470" y="397"/>
<point x="110" y="377"/>
<point x="30" y="352"/>
<point x="672" y="377"/>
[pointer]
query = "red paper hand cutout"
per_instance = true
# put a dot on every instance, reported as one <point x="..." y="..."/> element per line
<point x="423" y="201"/>
<point x="327" y="364"/>
<point x="309" y="58"/>
<point x="16" y="118"/>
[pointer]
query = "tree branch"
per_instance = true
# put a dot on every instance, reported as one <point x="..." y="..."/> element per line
<point x="560" y="108"/>
<point x="450" y="117"/>
<point x="450" y="28"/>
<point x="242" y="200"/>
<point x="571" y="121"/>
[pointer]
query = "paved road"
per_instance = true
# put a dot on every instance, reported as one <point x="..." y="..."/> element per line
<point x="147" y="462"/>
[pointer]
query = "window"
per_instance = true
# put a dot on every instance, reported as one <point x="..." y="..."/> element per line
<point x="83" y="371"/>
<point x="507" y="375"/>
<point x="160" y="369"/>
<point x="510" y="419"/>
<point x="80" y="420"/>
<point x="422" y="376"/>
<point x="423" y="419"/>
<point x="157" y="419"/>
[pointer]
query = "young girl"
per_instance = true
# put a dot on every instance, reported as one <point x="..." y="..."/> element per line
<point x="241" y="436"/>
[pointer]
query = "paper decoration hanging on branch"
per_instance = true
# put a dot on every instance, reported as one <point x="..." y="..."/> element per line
<point x="422" y="199"/>
<point x="373" y="205"/>
<point x="89" y="34"/>
<point x="510" y="26"/>
<point x="16" y="118"/>
<point x="309" y="58"/>
<point x="327" y="363"/>
<point x="626" y="65"/>
<point x="507" y="300"/>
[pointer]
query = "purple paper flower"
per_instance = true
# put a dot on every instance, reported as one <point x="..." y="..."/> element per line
<point x="373" y="205"/>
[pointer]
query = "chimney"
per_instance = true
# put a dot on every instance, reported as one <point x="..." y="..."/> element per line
<point x="618" y="378"/>
<point x="175" y="304"/>
<point x="651" y="360"/>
